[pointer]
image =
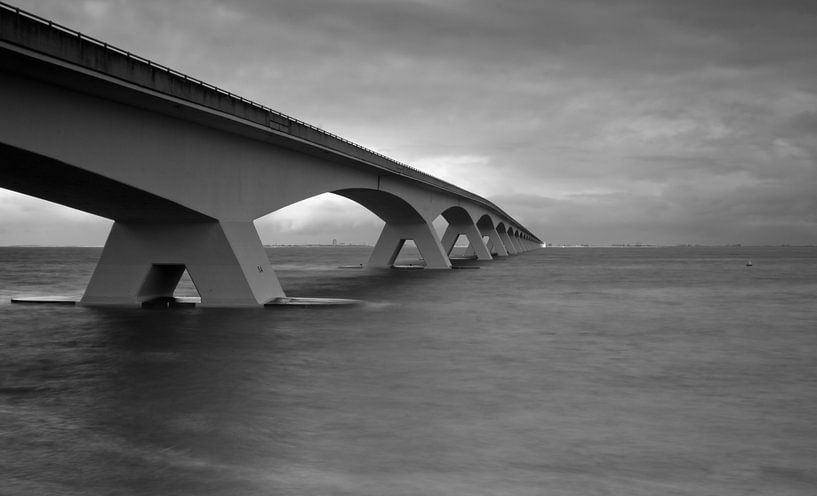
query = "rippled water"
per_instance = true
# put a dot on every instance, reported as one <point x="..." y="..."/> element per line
<point x="560" y="371"/>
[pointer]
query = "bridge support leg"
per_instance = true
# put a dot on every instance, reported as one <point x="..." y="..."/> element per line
<point x="506" y="240"/>
<point x="450" y="237"/>
<point x="225" y="260"/>
<point x="395" y="235"/>
<point x="518" y="244"/>
<point x="476" y="245"/>
<point x="494" y="241"/>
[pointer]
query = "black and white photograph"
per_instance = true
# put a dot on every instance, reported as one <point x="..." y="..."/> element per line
<point x="408" y="247"/>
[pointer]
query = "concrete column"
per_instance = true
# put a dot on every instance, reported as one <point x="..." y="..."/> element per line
<point x="476" y="245"/>
<point x="450" y="238"/>
<point x="506" y="240"/>
<point x="395" y="235"/>
<point x="225" y="260"/>
<point x="494" y="241"/>
<point x="515" y="242"/>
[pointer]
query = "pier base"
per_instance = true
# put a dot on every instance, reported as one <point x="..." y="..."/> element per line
<point x="476" y="245"/>
<point x="394" y="237"/>
<point x="143" y="262"/>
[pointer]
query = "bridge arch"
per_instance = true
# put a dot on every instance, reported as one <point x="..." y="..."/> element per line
<point x="512" y="237"/>
<point x="487" y="228"/>
<point x="461" y="222"/>
<point x="456" y="214"/>
<point x="403" y="222"/>
<point x="502" y="229"/>
<point x="388" y="206"/>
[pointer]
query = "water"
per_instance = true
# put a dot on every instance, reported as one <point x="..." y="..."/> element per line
<point x="561" y="371"/>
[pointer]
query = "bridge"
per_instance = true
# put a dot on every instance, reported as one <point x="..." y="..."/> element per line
<point x="183" y="168"/>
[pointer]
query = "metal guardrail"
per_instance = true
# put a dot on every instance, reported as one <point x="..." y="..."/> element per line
<point x="424" y="177"/>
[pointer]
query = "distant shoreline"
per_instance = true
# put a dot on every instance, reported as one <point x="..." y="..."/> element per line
<point x="737" y="245"/>
<point x="316" y="245"/>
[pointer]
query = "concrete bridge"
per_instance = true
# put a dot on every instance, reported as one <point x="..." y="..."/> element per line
<point x="183" y="168"/>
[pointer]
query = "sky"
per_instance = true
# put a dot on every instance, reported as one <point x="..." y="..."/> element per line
<point x="589" y="121"/>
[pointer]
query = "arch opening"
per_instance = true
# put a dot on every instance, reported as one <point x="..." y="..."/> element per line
<point x="349" y="216"/>
<point x="403" y="223"/>
<point x="462" y="248"/>
<point x="485" y="221"/>
<point x="408" y="255"/>
<point x="405" y="233"/>
<point x="461" y="237"/>
<point x="389" y="207"/>
<point x="168" y="285"/>
<point x="324" y="219"/>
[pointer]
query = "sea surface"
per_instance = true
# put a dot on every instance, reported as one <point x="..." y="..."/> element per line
<point x="584" y="371"/>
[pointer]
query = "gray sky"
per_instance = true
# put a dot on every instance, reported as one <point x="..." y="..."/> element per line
<point x="595" y="122"/>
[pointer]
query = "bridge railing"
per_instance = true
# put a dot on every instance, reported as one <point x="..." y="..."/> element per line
<point x="271" y="118"/>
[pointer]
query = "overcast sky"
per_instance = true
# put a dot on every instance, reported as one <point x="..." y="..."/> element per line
<point x="596" y="122"/>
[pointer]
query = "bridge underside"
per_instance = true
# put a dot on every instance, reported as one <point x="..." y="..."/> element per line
<point x="55" y="181"/>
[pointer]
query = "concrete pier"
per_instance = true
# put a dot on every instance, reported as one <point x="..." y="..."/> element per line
<point x="142" y="262"/>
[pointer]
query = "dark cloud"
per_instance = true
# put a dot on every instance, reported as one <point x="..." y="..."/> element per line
<point x="647" y="120"/>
